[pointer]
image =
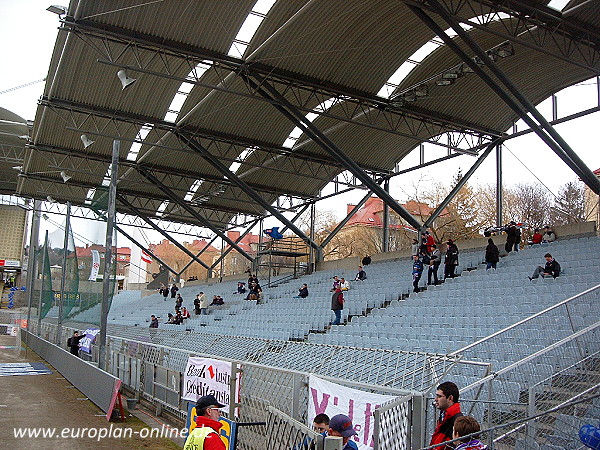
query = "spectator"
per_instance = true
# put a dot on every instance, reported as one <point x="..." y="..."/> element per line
<point x="344" y="285"/>
<point x="341" y="425"/>
<point x="197" y="304"/>
<point x="549" y="235"/>
<point x="174" y="290"/>
<point x="164" y="292"/>
<point x="170" y="318"/>
<point x="321" y="424"/>
<point x="365" y="262"/>
<point x="429" y="241"/>
<point x="302" y="292"/>
<point x="206" y="434"/>
<point x="451" y="260"/>
<point x="417" y="271"/>
<point x="446" y="400"/>
<point x="513" y="237"/>
<point x="551" y="269"/>
<point x="464" y="426"/>
<point x="185" y="313"/>
<point x="337" y="305"/>
<point x="178" y="319"/>
<point x="73" y="342"/>
<point x="361" y="275"/>
<point x="217" y="301"/>
<point x="153" y="321"/>
<point x="435" y="260"/>
<point x="492" y="255"/>
<point x="203" y="303"/>
<point x="336" y="284"/>
<point x="178" y="301"/>
<point x="241" y="289"/>
<point x="414" y="249"/>
<point x="537" y="237"/>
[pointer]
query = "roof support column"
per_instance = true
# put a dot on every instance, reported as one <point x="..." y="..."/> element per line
<point x="458" y="186"/>
<point x="544" y="130"/>
<point x="340" y="225"/>
<point x="123" y="200"/>
<point x="499" y="185"/>
<point x="297" y="216"/>
<point x="205" y="222"/>
<point x="385" y="235"/>
<point x="214" y="161"/>
<point x="297" y="118"/>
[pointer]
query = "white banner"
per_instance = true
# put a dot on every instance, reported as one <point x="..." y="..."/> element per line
<point x="204" y="376"/>
<point x="331" y="399"/>
<point x="95" y="265"/>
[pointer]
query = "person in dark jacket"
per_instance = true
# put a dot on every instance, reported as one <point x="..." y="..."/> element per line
<point x="302" y="292"/>
<point x="446" y="400"/>
<point x="435" y="259"/>
<point x="451" y="260"/>
<point x="551" y="269"/>
<point x="337" y="305"/>
<point x="417" y="271"/>
<point x="174" y="290"/>
<point x="153" y="321"/>
<point x="73" y="343"/>
<point x="492" y="255"/>
<point x="366" y="260"/>
<point x="513" y="237"/>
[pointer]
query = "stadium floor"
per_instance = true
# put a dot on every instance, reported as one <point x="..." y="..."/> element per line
<point x="51" y="402"/>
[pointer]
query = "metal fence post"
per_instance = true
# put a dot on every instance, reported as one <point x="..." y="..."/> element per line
<point x="418" y="428"/>
<point x="233" y="387"/>
<point x="298" y="385"/>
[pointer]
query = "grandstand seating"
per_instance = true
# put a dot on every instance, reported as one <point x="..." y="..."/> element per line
<point x="379" y="314"/>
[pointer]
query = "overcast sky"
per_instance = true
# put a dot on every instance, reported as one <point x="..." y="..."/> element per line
<point x="28" y="32"/>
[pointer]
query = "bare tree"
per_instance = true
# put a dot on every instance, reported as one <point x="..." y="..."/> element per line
<point x="569" y="206"/>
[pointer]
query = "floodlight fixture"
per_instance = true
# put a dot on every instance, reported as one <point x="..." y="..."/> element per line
<point x="422" y="90"/>
<point x="57" y="9"/>
<point x="125" y="80"/>
<point x="86" y="141"/>
<point x="50" y="199"/>
<point x="444" y="82"/>
<point x="64" y="176"/>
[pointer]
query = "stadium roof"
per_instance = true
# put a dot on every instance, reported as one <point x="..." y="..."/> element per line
<point x="14" y="132"/>
<point x="219" y="121"/>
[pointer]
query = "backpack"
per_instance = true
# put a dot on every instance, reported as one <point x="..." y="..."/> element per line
<point x="69" y="342"/>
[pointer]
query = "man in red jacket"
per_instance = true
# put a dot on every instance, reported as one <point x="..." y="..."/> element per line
<point x="446" y="400"/>
<point x="206" y="434"/>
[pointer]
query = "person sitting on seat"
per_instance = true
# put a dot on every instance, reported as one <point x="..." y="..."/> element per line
<point x="241" y="288"/>
<point x="336" y="284"/>
<point x="549" y="235"/>
<point x="361" y="275"/>
<point x="537" y="238"/>
<point x="551" y="269"/>
<point x="302" y="292"/>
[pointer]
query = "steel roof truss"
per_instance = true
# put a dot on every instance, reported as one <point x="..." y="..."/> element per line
<point x="237" y="241"/>
<point x="296" y="117"/>
<point x="534" y="22"/>
<point x="214" y="161"/>
<point x="229" y="64"/>
<point x="176" y="199"/>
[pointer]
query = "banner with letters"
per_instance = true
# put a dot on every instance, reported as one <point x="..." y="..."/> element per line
<point x="95" y="265"/>
<point x="90" y="336"/>
<point x="331" y="399"/>
<point x="204" y="376"/>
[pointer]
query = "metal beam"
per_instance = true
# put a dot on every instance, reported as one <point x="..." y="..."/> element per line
<point x="545" y="131"/>
<point x="211" y="159"/>
<point x="173" y="197"/>
<point x="229" y="63"/>
<point x="142" y="246"/>
<point x="208" y="244"/>
<point x="181" y="247"/>
<point x="296" y="117"/>
<point x="499" y="193"/>
<point x="346" y="219"/>
<point x="237" y="241"/>
<point x="458" y="186"/>
<point x="385" y="235"/>
<point x="297" y="216"/>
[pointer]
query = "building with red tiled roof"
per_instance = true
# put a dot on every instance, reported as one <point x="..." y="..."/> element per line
<point x="84" y="259"/>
